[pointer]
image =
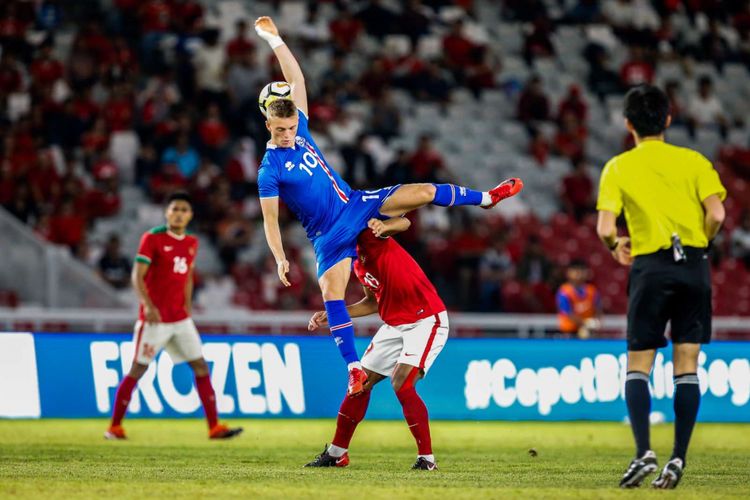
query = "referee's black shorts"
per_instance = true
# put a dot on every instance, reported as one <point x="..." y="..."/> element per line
<point x="662" y="290"/>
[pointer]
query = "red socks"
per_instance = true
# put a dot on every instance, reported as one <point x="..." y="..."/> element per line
<point x="122" y="399"/>
<point x="351" y="413"/>
<point x="208" y="398"/>
<point x="416" y="416"/>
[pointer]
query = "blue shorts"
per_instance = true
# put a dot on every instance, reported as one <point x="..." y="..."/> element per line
<point x="340" y="241"/>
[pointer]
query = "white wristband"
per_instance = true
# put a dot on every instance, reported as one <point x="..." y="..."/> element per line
<point x="275" y="41"/>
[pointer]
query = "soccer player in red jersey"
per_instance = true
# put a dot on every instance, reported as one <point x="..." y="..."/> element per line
<point x="414" y="333"/>
<point x="163" y="280"/>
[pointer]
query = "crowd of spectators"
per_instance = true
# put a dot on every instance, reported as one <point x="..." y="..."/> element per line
<point x="150" y="94"/>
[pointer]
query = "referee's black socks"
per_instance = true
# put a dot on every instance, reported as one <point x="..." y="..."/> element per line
<point x="687" y="399"/>
<point x="638" y="399"/>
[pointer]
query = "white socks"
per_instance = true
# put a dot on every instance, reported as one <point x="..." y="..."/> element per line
<point x="429" y="458"/>
<point x="336" y="451"/>
<point x="486" y="199"/>
<point x="353" y="365"/>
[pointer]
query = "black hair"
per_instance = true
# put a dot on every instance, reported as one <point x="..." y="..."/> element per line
<point x="647" y="109"/>
<point x="578" y="264"/>
<point x="180" y="196"/>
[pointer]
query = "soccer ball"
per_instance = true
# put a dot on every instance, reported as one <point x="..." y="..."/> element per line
<point x="271" y="92"/>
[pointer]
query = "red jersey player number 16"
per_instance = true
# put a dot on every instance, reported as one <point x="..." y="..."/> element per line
<point x="163" y="280"/>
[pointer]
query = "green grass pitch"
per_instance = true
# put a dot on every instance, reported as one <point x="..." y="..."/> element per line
<point x="167" y="458"/>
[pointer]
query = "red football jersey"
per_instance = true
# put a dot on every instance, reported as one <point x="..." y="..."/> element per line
<point x="169" y="257"/>
<point x="405" y="295"/>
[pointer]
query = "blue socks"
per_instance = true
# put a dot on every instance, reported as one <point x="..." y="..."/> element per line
<point x="687" y="399"/>
<point x="342" y="329"/>
<point x="638" y="399"/>
<point x="450" y="195"/>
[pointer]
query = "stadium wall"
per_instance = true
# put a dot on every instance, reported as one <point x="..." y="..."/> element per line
<point x="75" y="375"/>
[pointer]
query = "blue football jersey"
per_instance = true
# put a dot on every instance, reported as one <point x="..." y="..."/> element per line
<point x="301" y="177"/>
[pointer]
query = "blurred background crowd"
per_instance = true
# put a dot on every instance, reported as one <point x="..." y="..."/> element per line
<point x="107" y="106"/>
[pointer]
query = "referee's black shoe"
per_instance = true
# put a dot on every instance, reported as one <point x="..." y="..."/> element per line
<point x="670" y="475"/>
<point x="638" y="469"/>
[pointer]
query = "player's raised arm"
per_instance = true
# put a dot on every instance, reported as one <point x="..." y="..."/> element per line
<point x="268" y="31"/>
<point x="270" y="209"/>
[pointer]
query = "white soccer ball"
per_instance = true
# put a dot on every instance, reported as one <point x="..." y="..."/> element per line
<point x="271" y="92"/>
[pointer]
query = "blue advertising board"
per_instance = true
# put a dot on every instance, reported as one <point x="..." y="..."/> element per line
<point x="76" y="375"/>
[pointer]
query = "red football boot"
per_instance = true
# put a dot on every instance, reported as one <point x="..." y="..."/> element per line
<point x="506" y="189"/>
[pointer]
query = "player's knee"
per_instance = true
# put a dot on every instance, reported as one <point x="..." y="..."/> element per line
<point x="137" y="371"/>
<point x="200" y="367"/>
<point x="427" y="192"/>
<point x="404" y="380"/>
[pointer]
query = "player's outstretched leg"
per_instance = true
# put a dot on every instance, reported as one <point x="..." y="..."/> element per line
<point x="122" y="400"/>
<point x="415" y="412"/>
<point x="333" y="285"/>
<point x="413" y="196"/>
<point x="352" y="411"/>
<point x="208" y="399"/>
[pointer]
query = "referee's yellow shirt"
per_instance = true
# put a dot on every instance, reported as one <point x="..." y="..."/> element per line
<point x="661" y="187"/>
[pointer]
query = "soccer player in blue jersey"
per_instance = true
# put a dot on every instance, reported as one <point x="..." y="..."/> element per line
<point x="332" y="213"/>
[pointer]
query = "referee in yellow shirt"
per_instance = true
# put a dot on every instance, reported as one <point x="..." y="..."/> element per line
<point x="672" y="199"/>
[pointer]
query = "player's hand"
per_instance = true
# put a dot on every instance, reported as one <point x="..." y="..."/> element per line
<point x="265" y="28"/>
<point x="282" y="268"/>
<point x="318" y="320"/>
<point x="377" y="226"/>
<point x="621" y="253"/>
<point x="152" y="314"/>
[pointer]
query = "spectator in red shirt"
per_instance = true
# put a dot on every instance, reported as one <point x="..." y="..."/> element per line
<point x="573" y="103"/>
<point x="85" y="108"/>
<point x="104" y="200"/>
<point x="539" y="146"/>
<point x="426" y="163"/>
<point x="570" y="140"/>
<point x="374" y="79"/>
<point x="456" y="47"/>
<point x="345" y="30"/>
<point x="533" y="105"/>
<point x="480" y="75"/>
<point x="188" y="14"/>
<point x="44" y="179"/>
<point x="13" y="30"/>
<point x="166" y="181"/>
<point x="45" y="70"/>
<point x="538" y="42"/>
<point x="241" y="43"/>
<point x="119" y="110"/>
<point x="459" y="51"/>
<point x="10" y="75"/>
<point x="577" y="193"/>
<point x="68" y="226"/>
<point x="155" y="17"/>
<point x="637" y="69"/>
<point x="213" y="134"/>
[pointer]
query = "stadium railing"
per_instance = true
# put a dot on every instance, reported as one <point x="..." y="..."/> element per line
<point x="46" y="274"/>
<point x="295" y="323"/>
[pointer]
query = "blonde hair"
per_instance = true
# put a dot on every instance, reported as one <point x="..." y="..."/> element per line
<point x="282" y="108"/>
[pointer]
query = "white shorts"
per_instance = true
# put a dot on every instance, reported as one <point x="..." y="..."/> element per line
<point x="416" y="344"/>
<point x="180" y="339"/>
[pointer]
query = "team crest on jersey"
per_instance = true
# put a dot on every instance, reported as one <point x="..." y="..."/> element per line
<point x="300" y="141"/>
<point x="289" y="166"/>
